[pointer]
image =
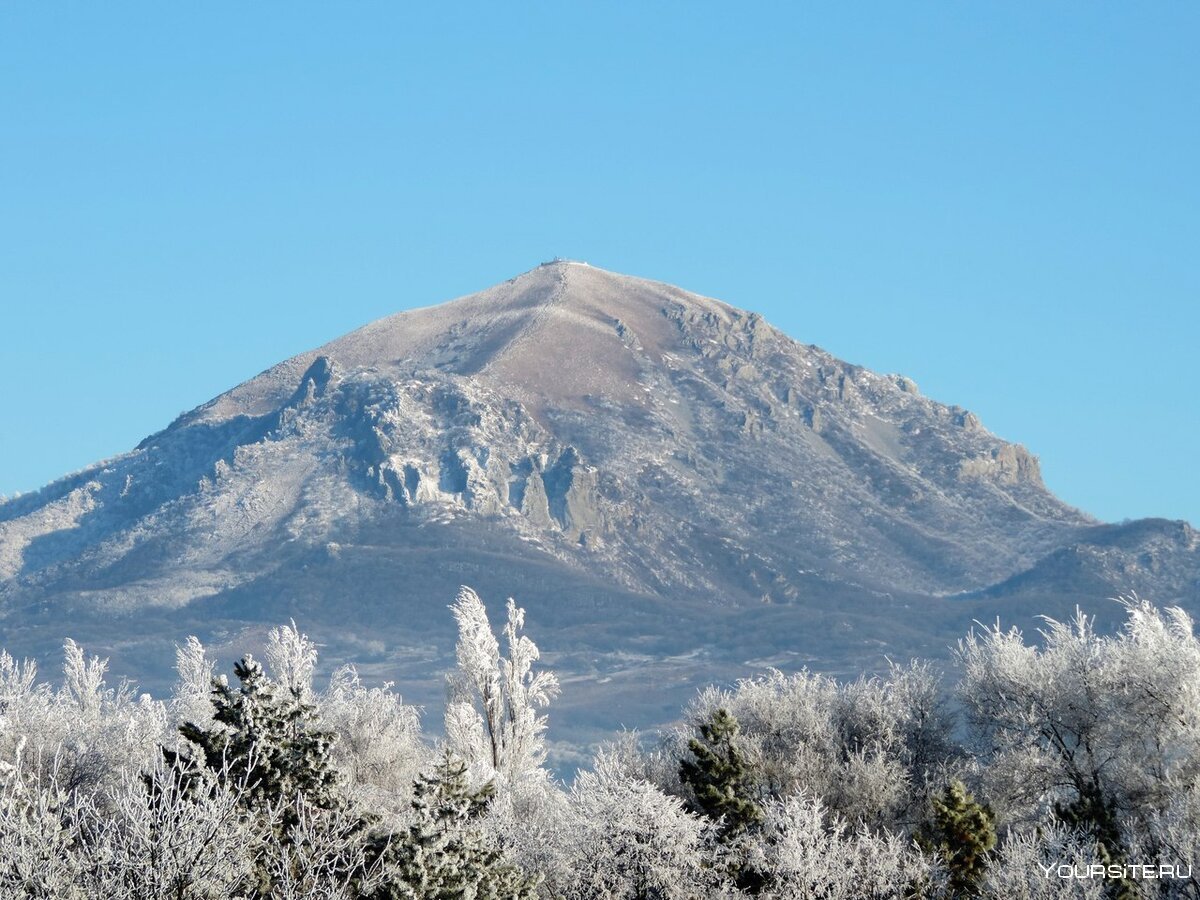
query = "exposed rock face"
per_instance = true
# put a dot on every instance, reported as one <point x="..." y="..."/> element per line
<point x="1010" y="464"/>
<point x="655" y="474"/>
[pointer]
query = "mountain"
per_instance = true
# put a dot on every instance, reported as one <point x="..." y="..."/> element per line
<point x="674" y="489"/>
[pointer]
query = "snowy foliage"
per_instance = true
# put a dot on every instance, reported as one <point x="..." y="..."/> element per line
<point x="194" y="685"/>
<point x="630" y="840"/>
<point x="1087" y="716"/>
<point x="1172" y="837"/>
<point x="165" y="844"/>
<point x="1084" y="745"/>
<point x="1028" y="854"/>
<point x="379" y="748"/>
<point x="872" y="749"/>
<point x="292" y="659"/>
<point x="807" y="852"/>
<point x="492" y="717"/>
<point x="89" y="732"/>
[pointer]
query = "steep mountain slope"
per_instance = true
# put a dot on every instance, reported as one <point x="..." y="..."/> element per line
<point x="674" y="488"/>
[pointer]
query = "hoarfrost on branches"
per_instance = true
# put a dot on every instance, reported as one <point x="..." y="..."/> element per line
<point x="807" y="852"/>
<point x="1087" y="715"/>
<point x="631" y="840"/>
<point x="292" y="659"/>
<point x="492" y="716"/>
<point x="1086" y="747"/>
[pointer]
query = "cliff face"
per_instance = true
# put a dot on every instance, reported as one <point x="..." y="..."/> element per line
<point x="657" y="473"/>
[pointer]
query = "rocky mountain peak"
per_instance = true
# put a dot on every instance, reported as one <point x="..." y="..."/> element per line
<point x="610" y="449"/>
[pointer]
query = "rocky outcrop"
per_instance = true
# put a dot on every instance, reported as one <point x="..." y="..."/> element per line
<point x="1009" y="464"/>
<point x="626" y="458"/>
<point x="571" y="496"/>
<point x="535" y="504"/>
<point x="966" y="420"/>
<point x="314" y="382"/>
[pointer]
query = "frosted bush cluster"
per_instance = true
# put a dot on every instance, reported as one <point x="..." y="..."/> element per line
<point x="1048" y="760"/>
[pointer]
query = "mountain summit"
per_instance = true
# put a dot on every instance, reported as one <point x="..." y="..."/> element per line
<point x="674" y="488"/>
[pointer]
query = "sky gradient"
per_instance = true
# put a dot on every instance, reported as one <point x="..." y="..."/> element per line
<point x="1000" y="201"/>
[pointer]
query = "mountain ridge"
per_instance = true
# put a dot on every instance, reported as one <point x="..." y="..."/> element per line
<point x="639" y="465"/>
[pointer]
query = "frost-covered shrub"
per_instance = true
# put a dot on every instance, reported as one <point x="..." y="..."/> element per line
<point x="93" y="733"/>
<point x="871" y="750"/>
<point x="1103" y="728"/>
<point x="379" y="747"/>
<point x="1171" y="837"/>
<point x="158" y="839"/>
<point x="325" y="856"/>
<point x="532" y="824"/>
<point x="38" y="833"/>
<point x="627" y="839"/>
<point x="805" y="853"/>
<point x="1027" y="867"/>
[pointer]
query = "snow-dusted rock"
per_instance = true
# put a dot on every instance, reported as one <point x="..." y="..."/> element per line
<point x="649" y="471"/>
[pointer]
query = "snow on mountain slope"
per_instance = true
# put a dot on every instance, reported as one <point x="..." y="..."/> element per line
<point x="646" y="467"/>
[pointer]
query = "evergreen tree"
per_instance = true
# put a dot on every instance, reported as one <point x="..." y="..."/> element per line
<point x="1093" y="814"/>
<point x="263" y="742"/>
<point x="720" y="782"/>
<point x="264" y="737"/>
<point x="719" y="777"/>
<point x="963" y="833"/>
<point x="445" y="854"/>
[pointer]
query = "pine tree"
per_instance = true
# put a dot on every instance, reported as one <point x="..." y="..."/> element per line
<point x="719" y="777"/>
<point x="963" y="833"/>
<point x="263" y="742"/>
<point x="1093" y="814"/>
<point x="264" y="737"/>
<point x="445" y="854"/>
<point x="720" y="782"/>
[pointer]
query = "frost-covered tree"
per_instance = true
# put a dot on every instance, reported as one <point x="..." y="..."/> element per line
<point x="324" y="856"/>
<point x="1028" y="866"/>
<point x="38" y="834"/>
<point x="446" y="852"/>
<point x="158" y="839"/>
<point x="292" y="660"/>
<point x="136" y="844"/>
<point x="1171" y="837"/>
<point x="1088" y="742"/>
<point x="266" y="736"/>
<point x="91" y="732"/>
<point x="808" y="853"/>
<point x="630" y="841"/>
<point x="1100" y="728"/>
<point x="532" y="826"/>
<point x="379" y="750"/>
<point x="493" y="718"/>
<point x="962" y="832"/>
<point x="870" y="750"/>
<point x="193" y="686"/>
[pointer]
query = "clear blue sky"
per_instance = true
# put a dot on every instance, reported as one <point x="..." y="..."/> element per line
<point x="999" y="200"/>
